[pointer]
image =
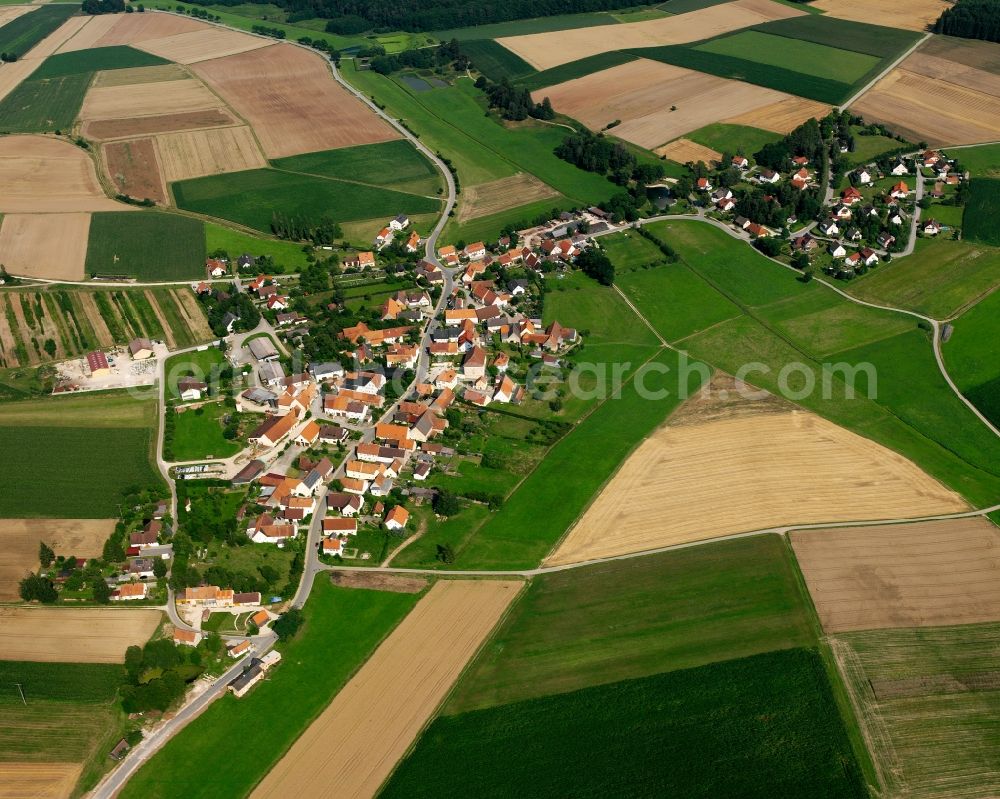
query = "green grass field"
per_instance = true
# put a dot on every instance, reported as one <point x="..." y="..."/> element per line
<point x="201" y="364"/>
<point x="629" y="251"/>
<point x="736" y="139"/>
<point x="929" y="698"/>
<point x="762" y="726"/>
<point x="41" y="106"/>
<point x="778" y="327"/>
<point x="146" y="245"/>
<point x="495" y="61"/>
<point x="70" y="713"/>
<point x="343" y="627"/>
<point x="19" y="35"/>
<point x="981" y="211"/>
<point x="394" y="164"/>
<point x="94" y="60"/>
<point x="576" y="69"/>
<point x="109" y="438"/>
<point x="939" y="279"/>
<point x="807" y="58"/>
<point x="868" y="148"/>
<point x="252" y="198"/>
<point x="859" y="37"/>
<point x="971" y="356"/>
<point x="632" y="618"/>
<point x="198" y="434"/>
<point x="288" y="254"/>
<point x="982" y="161"/>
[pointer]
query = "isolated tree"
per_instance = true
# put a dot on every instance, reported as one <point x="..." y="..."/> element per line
<point x="50" y="347"/>
<point x="35" y="588"/>
<point x="45" y="555"/>
<point x="101" y="591"/>
<point x="159" y="568"/>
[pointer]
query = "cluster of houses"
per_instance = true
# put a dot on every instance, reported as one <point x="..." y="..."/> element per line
<point x="145" y="547"/>
<point x="397" y="226"/>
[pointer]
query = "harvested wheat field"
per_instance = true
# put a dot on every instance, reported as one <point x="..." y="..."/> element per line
<point x="685" y="151"/>
<point x="208" y="152"/>
<point x="914" y="15"/>
<point x="8" y="13"/>
<point x="783" y="116"/>
<point x="356" y="742"/>
<point x="134" y="28"/>
<point x="11" y="75"/>
<point x="19" y="540"/>
<point x="52" y="246"/>
<point x="925" y="109"/>
<point x="641" y="93"/>
<point x="38" y="780"/>
<point x="56" y="39"/>
<point x="105" y="129"/>
<point x="133" y="168"/>
<point x="147" y="99"/>
<point x="73" y="635"/>
<point x="291" y="100"/>
<point x="202" y="45"/>
<point x="139" y="75"/>
<point x="744" y="472"/>
<point x="924" y="574"/>
<point x="91" y="33"/>
<point x="40" y="174"/>
<point x="499" y="195"/>
<point x="546" y="50"/>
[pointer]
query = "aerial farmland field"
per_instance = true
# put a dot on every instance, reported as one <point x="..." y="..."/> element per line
<point x="150" y="246"/>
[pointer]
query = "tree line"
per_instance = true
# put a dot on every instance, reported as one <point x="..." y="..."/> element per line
<point x="971" y="19"/>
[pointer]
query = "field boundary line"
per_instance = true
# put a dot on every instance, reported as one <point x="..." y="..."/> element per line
<point x="868" y="86"/>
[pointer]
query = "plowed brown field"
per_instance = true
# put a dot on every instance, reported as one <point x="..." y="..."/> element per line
<point x="914" y="15"/>
<point x="208" y="152"/>
<point x="19" y="540"/>
<point x="38" y="780"/>
<point x="925" y="574"/>
<point x="142" y="99"/>
<point x="354" y="744"/>
<point x="98" y="635"/>
<point x="134" y="169"/>
<point x="783" y="116"/>
<point x="546" y="50"/>
<point x="292" y="101"/>
<point x="52" y="246"/>
<point x="144" y="126"/>
<point x="45" y="174"/>
<point x="202" y="45"/>
<point x="750" y="472"/>
<point x="641" y="94"/>
<point x="685" y="151"/>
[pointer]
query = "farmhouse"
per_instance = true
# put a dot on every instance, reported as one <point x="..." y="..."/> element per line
<point x="397" y="518"/>
<point x="191" y="389"/>
<point x="361" y="260"/>
<point x="140" y="349"/>
<point x="129" y="592"/>
<point x="273" y="429"/>
<point x="263" y="349"/>
<point x="97" y="364"/>
<point x="186" y="637"/>
<point x="206" y="596"/>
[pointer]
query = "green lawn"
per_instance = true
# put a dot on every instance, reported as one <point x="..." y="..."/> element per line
<point x="394" y="164"/>
<point x="253" y="197"/>
<point x="147" y="245"/>
<point x="288" y="254"/>
<point x="343" y="627"/>
<point x="198" y="434"/>
<point x="949" y="215"/>
<point x="203" y="365"/>
<point x="736" y="139"/>
<point x="783" y="324"/>
<point x="940" y="278"/>
<point x="807" y="58"/>
<point x="19" y="35"/>
<point x="94" y="59"/>
<point x="971" y="355"/>
<point x="629" y="251"/>
<point x="762" y="726"/>
<point x="106" y="437"/>
<point x="641" y="616"/>
<point x="868" y="148"/>
<point x="70" y="714"/>
<point x="983" y="161"/>
<point x="41" y="106"/>
<point x="930" y="696"/>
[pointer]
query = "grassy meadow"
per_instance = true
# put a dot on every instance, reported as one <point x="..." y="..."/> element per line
<point x="981" y="211"/>
<point x="343" y="627"/>
<point x="971" y="356"/>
